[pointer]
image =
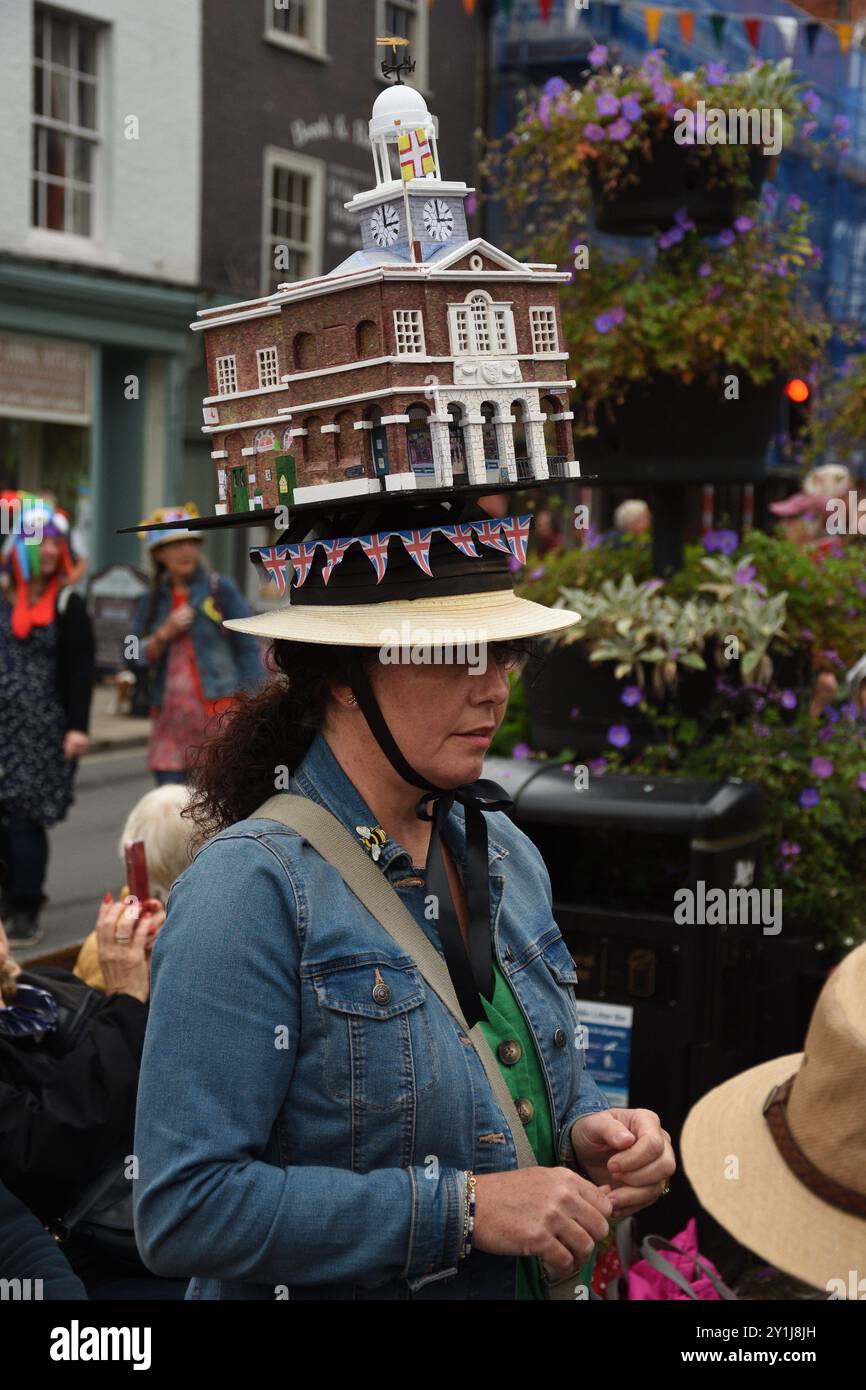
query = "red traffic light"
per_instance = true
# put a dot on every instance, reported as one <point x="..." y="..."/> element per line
<point x="797" y="390"/>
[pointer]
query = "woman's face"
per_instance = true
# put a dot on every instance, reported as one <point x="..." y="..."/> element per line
<point x="180" y="558"/>
<point x="431" y="711"/>
<point x="49" y="556"/>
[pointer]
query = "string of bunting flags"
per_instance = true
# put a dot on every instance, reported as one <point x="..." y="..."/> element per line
<point x="846" y="31"/>
<point x="508" y="533"/>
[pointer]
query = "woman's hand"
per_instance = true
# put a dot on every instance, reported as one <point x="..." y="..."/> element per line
<point x="549" y="1212"/>
<point x="176" y="623"/>
<point x="628" y="1149"/>
<point x="75" y="744"/>
<point x="122" y="933"/>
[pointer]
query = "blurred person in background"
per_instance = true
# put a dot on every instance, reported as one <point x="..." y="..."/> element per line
<point x="156" y="820"/>
<point x="46" y="683"/>
<point x="196" y="667"/>
<point x="631" y="520"/>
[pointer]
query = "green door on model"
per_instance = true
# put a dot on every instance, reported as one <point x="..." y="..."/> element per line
<point x="240" y="492"/>
<point x="286" y="479"/>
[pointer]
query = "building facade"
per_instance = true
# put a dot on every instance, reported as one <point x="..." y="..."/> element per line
<point x="99" y="254"/>
<point x="426" y="357"/>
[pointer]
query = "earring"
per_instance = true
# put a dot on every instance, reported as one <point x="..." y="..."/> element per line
<point x="353" y="700"/>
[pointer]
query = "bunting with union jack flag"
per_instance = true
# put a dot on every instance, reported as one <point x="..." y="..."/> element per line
<point x="509" y="534"/>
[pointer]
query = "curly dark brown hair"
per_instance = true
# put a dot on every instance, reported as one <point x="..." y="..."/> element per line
<point x="234" y="771"/>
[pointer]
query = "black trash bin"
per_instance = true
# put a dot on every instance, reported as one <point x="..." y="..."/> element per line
<point x="617" y="853"/>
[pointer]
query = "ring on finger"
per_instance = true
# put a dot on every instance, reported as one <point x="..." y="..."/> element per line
<point x="122" y="936"/>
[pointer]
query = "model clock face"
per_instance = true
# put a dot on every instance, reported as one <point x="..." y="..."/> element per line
<point x="385" y="226"/>
<point x="438" y="219"/>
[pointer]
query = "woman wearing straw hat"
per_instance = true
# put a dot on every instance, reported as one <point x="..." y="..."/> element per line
<point x="365" y="1075"/>
<point x="197" y="666"/>
<point x="778" y="1153"/>
<point x="46" y="682"/>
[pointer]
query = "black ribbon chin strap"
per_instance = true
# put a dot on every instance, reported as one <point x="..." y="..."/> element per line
<point x="472" y="973"/>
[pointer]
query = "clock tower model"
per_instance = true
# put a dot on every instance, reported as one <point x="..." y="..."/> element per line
<point x="408" y="182"/>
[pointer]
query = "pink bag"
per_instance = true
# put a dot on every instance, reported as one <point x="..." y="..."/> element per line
<point x="681" y="1274"/>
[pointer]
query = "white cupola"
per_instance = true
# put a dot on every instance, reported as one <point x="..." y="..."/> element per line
<point x="399" y="110"/>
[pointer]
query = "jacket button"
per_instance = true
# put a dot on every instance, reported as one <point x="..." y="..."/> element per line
<point x="381" y="993"/>
<point x="559" y="1038"/>
<point x="509" y="1052"/>
<point x="525" y="1109"/>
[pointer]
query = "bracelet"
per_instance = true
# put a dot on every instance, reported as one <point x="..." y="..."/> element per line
<point x="469" y="1214"/>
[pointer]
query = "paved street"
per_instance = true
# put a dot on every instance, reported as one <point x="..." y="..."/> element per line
<point x="84" y="861"/>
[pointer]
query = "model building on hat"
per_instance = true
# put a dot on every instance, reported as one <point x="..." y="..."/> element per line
<point x="427" y="359"/>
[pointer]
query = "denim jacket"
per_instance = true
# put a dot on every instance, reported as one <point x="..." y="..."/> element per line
<point x="227" y="661"/>
<point x="295" y="1137"/>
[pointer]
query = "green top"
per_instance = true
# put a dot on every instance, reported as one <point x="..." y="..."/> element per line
<point x="525" y="1080"/>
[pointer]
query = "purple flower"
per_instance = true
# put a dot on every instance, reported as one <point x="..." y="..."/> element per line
<point x="521" y="750"/>
<point x="617" y="314"/>
<point x="705" y="269"/>
<point x="745" y="574"/>
<point x="821" y="767"/>
<point x="759" y="703"/>
<point x="544" y="106"/>
<point x="671" y="237"/>
<point x="808" y="798"/>
<point x="537" y="572"/>
<point x="619" y="736"/>
<point x="663" y="93"/>
<point x="760" y="731"/>
<point x="593" y="131"/>
<point x="811" y="101"/>
<point x="553" y="86"/>
<point x="716" y="74"/>
<point x="781" y="268"/>
<point x="631" y="695"/>
<point x="471" y="205"/>
<point x="789" y="847"/>
<point x="675" y="651"/>
<point x="620" y="130"/>
<point x="841" y="124"/>
<point x="807" y="634"/>
<point x="728" y="542"/>
<point x="788" y="699"/>
<point x="726" y="237"/>
<point x="743" y="225"/>
<point x="825" y="733"/>
<point x="682" y="219"/>
<point x="653" y="584"/>
<point x="607" y="104"/>
<point x="714" y="291"/>
<point x="597" y="766"/>
<point x="597" y="56"/>
<point x="809" y="128"/>
<point x="861" y="781"/>
<point x="849" y="710"/>
<point x="604" y="323"/>
<point x="770" y="197"/>
<point x="631" y="109"/>
<point x="513" y="563"/>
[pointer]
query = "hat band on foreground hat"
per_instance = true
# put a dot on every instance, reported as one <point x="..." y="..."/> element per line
<point x="836" y="1194"/>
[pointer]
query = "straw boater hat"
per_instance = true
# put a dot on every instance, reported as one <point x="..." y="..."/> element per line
<point x="430" y="571"/>
<point x="797" y="1128"/>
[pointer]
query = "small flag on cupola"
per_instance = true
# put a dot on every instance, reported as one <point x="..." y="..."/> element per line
<point x="416" y="157"/>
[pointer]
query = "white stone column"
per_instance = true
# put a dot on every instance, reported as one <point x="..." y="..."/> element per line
<point x="440" y="438"/>
<point x="535" y="445"/>
<point x="505" y="442"/>
<point x="476" y="468"/>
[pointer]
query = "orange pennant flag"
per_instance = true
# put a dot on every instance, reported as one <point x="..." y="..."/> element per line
<point x="653" y="19"/>
<point x="844" y="33"/>
<point x="469" y="6"/>
<point x="686" y="22"/>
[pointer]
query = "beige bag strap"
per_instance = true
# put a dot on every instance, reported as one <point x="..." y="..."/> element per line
<point x="330" y="838"/>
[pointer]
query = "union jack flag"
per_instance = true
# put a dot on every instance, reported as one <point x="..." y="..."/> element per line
<point x="417" y="543"/>
<point x="461" y="536"/>
<point x="488" y="534"/>
<point x="302" y="559"/>
<point x="375" y="547"/>
<point x="274" y="561"/>
<point x="515" y="529"/>
<point x="334" y="552"/>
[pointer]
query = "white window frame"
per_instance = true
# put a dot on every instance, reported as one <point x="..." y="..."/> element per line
<point x="311" y="47"/>
<point x="268" y="367"/>
<point x="226" y="375"/>
<point x="275" y="157"/>
<point x="539" y="316"/>
<point x="465" y="340"/>
<point x="42" y="125"/>
<point x="419" y="45"/>
<point x="415" y="329"/>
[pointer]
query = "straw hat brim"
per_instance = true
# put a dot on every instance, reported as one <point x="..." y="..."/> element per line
<point x="485" y="617"/>
<point x="766" y="1207"/>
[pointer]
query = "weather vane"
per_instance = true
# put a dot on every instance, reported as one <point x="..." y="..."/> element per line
<point x="406" y="65"/>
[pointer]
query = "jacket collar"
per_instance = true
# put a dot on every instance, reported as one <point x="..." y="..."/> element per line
<point x="321" y="777"/>
<point x="198" y="585"/>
